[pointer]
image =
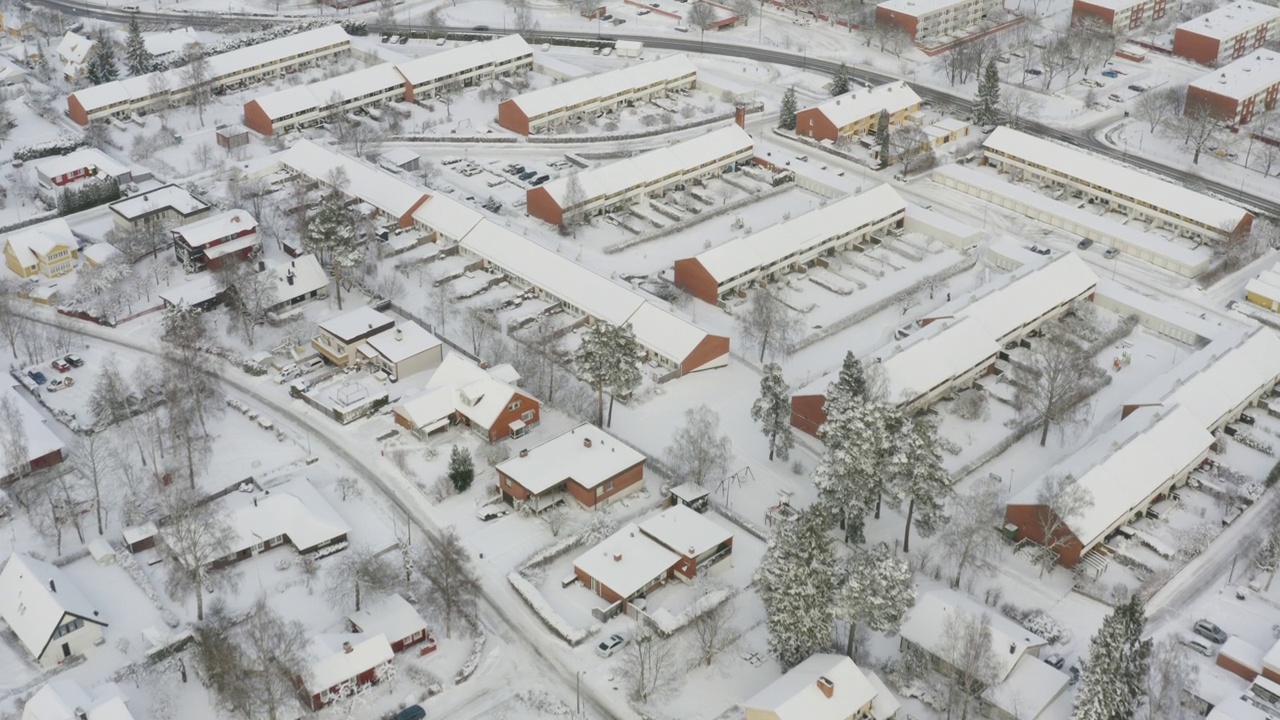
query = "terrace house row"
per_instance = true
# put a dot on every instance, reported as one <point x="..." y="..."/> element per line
<point x="1141" y="196"/>
<point x="1227" y="33"/>
<point x="411" y="81"/>
<point x="539" y="110"/>
<point x="634" y="180"/>
<point x="171" y="88"/>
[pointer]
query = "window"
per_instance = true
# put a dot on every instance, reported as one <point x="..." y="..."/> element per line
<point x="515" y="405"/>
<point x="527" y="416"/>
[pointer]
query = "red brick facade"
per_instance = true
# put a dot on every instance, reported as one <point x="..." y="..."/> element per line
<point x="711" y="347"/>
<point x="1231" y="110"/>
<point x="1235" y="667"/>
<point x="1029" y="519"/>
<point x="256" y="119"/>
<point x="513" y="491"/>
<point x="694" y="279"/>
<point x="540" y="204"/>
<point x="812" y="122"/>
<point x="906" y="22"/>
<point x="807" y="414"/>
<point x="511" y="117"/>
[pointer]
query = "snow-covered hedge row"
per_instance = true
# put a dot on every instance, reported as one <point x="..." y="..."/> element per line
<point x="549" y="616"/>
<point x="552" y="551"/>
<point x="667" y="624"/>
<point x="741" y="522"/>
<point x="473" y="660"/>
<point x="143" y="581"/>
<point x="58" y="146"/>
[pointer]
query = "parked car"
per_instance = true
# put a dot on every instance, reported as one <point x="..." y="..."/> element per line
<point x="539" y="180"/>
<point x="61" y="383"/>
<point x="1034" y="71"/>
<point x="60" y="365"/>
<point x="606" y="18"/>
<point x="1073" y="674"/>
<point x="37" y="376"/>
<point x="1084" y="244"/>
<point x="1056" y="660"/>
<point x="386" y="38"/>
<point x="1114" y="97"/>
<point x="1089" y="82"/>
<point x="1197" y="646"/>
<point x="404" y="39"/>
<point x="1110" y="253"/>
<point x="528" y="175"/>
<point x="1003" y="59"/>
<point x="1209" y="631"/>
<point x="481" y="28"/>
<point x="1137" y="88"/>
<point x="492" y="512"/>
<point x="1110" y="73"/>
<point x="74" y="361"/>
<point x="413" y="712"/>
<point x="609" y="646"/>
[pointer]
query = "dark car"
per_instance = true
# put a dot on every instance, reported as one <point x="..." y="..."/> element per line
<point x="1074" y="675"/>
<point x="492" y="512"/>
<point x="517" y="170"/>
<point x="606" y="18"/>
<point x="481" y="28"/>
<point x="413" y="712"/>
<point x="1034" y="71"/>
<point x="1111" y="73"/>
<point x="404" y="39"/>
<point x="1084" y="244"/>
<point x="74" y="361"/>
<point x="37" y="376"/>
<point x="540" y="179"/>
<point x="1137" y="88"/>
<point x="1055" y="660"/>
<point x="528" y="175"/>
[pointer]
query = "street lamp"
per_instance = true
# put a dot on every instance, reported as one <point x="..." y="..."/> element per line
<point x="578" y="689"/>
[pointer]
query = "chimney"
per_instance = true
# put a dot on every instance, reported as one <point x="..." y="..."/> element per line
<point x="826" y="686"/>
<point x="524" y="452"/>
<point x="255" y="502"/>
<point x="289" y="277"/>
<point x="81" y="714"/>
<point x="1013" y="648"/>
<point x="399" y="334"/>
<point x="740" y="116"/>
<point x="52" y="586"/>
<point x="617" y="557"/>
<point x="586" y="442"/>
<point x="262" y="265"/>
<point x="347" y="649"/>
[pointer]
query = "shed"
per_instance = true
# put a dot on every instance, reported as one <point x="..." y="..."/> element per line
<point x="140" y="537"/>
<point x="232" y="136"/>
<point x="692" y="496"/>
<point x="101" y="551"/>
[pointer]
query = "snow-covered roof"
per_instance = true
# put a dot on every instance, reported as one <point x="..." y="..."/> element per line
<point x="458" y="386"/>
<point x="216" y="227"/>
<point x="1238" y="708"/>
<point x="1195" y="260"/>
<point x="294" y="508"/>
<point x="57" y="165"/>
<point x="1249" y="76"/>
<point x="391" y="616"/>
<point x="399" y="156"/>
<point x="690" y="491"/>
<point x="100" y="252"/>
<point x="1031" y="296"/>
<point x="1116" y="178"/>
<point x="585" y="90"/>
<point x="567" y="457"/>
<point x="447" y="216"/>
<point x="627" y="561"/>
<point x="172" y="42"/>
<point x="74" y="49"/>
<point x="861" y="103"/>
<point x="357" y="323"/>
<point x="308" y="277"/>
<point x="429" y="69"/>
<point x="35" y="596"/>
<point x="1247" y="654"/>
<point x="917" y="8"/>
<point x="937" y="356"/>
<point x="1115" y="4"/>
<point x="382" y="190"/>
<point x="403" y="342"/>
<point x="1267" y="284"/>
<point x="277" y="50"/>
<point x="618" y="177"/>
<point x="200" y="290"/>
<point x="137" y="533"/>
<point x="331" y="664"/>
<point x="1030" y="687"/>
<point x="431" y="409"/>
<point x="1230" y="20"/>
<point x="40" y="439"/>
<point x="320" y="94"/>
<point x="796" y="695"/>
<point x="41" y="239"/>
<point x="926" y="626"/>
<point x="1123" y="468"/>
<point x="685" y="531"/>
<point x="665" y="333"/>
<point x="884" y="705"/>
<point x="1230" y="378"/>
<point x="792" y="237"/>
<point x="165" y="196"/>
<point x="230" y="247"/>
<point x="60" y="698"/>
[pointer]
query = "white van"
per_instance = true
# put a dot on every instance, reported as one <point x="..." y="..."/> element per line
<point x="312" y="363"/>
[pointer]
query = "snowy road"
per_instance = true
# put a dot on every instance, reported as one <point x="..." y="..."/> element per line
<point x="508" y="617"/>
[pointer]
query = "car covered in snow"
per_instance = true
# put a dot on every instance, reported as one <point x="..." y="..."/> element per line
<point x="61" y="383"/>
<point x="492" y="512"/>
<point x="60" y="365"/>
<point x="1197" y="645"/>
<point x="74" y="361"/>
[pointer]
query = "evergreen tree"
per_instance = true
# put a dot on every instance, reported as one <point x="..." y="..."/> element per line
<point x="1115" y="677"/>
<point x="840" y="83"/>
<point x="882" y="137"/>
<point x="852" y="381"/>
<point x="844" y="476"/>
<point x="877" y="592"/>
<point x="796" y="581"/>
<point x="922" y="483"/>
<point x="331" y="235"/>
<point x="627" y="355"/>
<point x="787" y="112"/>
<point x="102" y="60"/>
<point x="986" y="108"/>
<point x="594" y="361"/>
<point x="137" y="57"/>
<point x="773" y="411"/>
<point x="461" y="468"/>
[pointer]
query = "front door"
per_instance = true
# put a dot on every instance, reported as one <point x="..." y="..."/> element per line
<point x="66" y="650"/>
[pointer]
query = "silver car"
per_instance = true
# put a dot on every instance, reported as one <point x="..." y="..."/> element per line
<point x="1197" y="645"/>
<point x="1209" y="631"/>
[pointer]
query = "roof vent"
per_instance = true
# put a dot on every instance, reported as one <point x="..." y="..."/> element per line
<point x="524" y="452"/>
<point x="826" y="686"/>
<point x="81" y="714"/>
<point x="1013" y="648"/>
<point x="347" y="649"/>
<point x="52" y="587"/>
<point x="399" y="334"/>
<point x="617" y="557"/>
<point x="586" y="442"/>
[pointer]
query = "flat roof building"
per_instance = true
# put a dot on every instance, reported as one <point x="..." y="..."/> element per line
<point x="1144" y="197"/>
<point x="633" y="180"/>
<point x="1123" y="16"/>
<point x="339" y="339"/>
<point x="1227" y="33"/>
<point x="1240" y="90"/>
<point x="1264" y="290"/>
<point x="538" y="110"/>
<point x="936" y="22"/>
<point x="165" y="206"/>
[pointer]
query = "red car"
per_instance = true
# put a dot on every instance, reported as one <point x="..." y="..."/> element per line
<point x="60" y="365"/>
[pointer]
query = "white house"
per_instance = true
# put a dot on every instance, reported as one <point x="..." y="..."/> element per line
<point x="51" y="617"/>
<point x="404" y="350"/>
<point x="73" y="53"/>
<point x="66" y="699"/>
<point x="824" y="687"/>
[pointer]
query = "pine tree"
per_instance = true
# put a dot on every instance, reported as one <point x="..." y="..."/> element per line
<point x="882" y="137"/>
<point x="594" y="361"/>
<point x="986" y="107"/>
<point x="331" y="235"/>
<point x="852" y="381"/>
<point x="787" y="112"/>
<point x="1114" y="678"/>
<point x="461" y="468"/>
<point x="796" y="581"/>
<point x="627" y="355"/>
<point x="136" y="55"/>
<point x="102" y="60"/>
<point x="773" y="411"/>
<point x="849" y="475"/>
<point x="840" y="83"/>
<point x="921" y="482"/>
<point x="878" y="592"/>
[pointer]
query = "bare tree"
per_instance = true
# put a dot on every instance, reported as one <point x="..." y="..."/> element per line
<point x="1156" y="107"/>
<point x="1169" y="672"/>
<point x="1060" y="501"/>
<point x="12" y="324"/>
<point x="650" y="666"/>
<point x="971" y="662"/>
<point x="451" y="582"/>
<point x="969" y="538"/>
<point x="767" y="323"/>
<point x="13" y="437"/>
<point x="251" y="295"/>
<point x="1049" y="387"/>
<point x="273" y="653"/>
<point x="698" y="452"/>
<point x="574" y="199"/>
<point x="359" y="573"/>
<point x="700" y="15"/>
<point x="197" y="77"/>
<point x="478" y="327"/>
<point x="195" y="537"/>
<point x="1198" y="126"/>
<point x="911" y="146"/>
<point x="1018" y="105"/>
<point x="712" y="632"/>
<point x="90" y="458"/>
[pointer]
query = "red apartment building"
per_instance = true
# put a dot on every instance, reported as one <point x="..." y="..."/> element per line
<point x="1227" y="33"/>
<point x="1122" y="16"/>
<point x="1240" y="90"/>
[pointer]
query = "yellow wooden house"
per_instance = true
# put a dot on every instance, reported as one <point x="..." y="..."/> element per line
<point x="48" y="249"/>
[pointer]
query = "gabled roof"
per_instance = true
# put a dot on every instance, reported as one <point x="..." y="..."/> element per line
<point x="294" y="508"/>
<point x="382" y="190"/>
<point x="171" y="42"/>
<point x="796" y="695"/>
<point x="476" y="394"/>
<point x="1031" y="686"/>
<point x="626" y="561"/>
<point x="926" y="625"/>
<point x="587" y="89"/>
<point x="937" y="356"/>
<point x="403" y="342"/>
<point x="1031" y="295"/>
<point x="57" y="165"/>
<point x="322" y="93"/>
<point x="1220" y="387"/>
<point x="447" y="216"/>
<point x="60" y="698"/>
<point x="41" y="440"/>
<point x="429" y="69"/>
<point x="38" y="240"/>
<point x="35" y="596"/>
<point x="685" y="531"/>
<point x="567" y="457"/>
<point x="392" y="617"/>
<point x="216" y="227"/>
<point x="861" y="103"/>
<point x="330" y="664"/>
<point x="74" y="48"/>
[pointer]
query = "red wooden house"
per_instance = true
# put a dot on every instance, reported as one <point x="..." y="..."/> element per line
<point x="213" y="241"/>
<point x="342" y="665"/>
<point x="396" y="619"/>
